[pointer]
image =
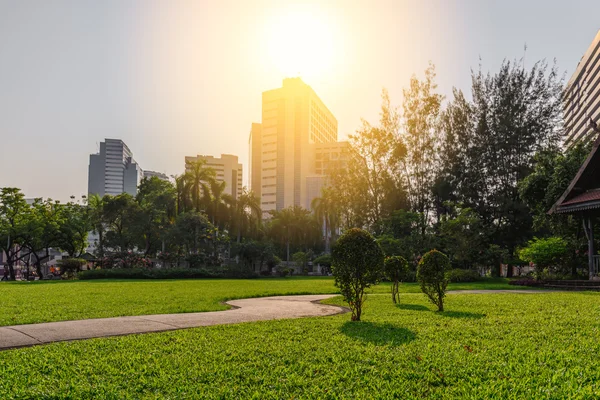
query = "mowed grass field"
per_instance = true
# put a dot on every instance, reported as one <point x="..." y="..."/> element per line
<point x="485" y="346"/>
<point x="46" y="301"/>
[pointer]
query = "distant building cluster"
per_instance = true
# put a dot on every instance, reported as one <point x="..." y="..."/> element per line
<point x="292" y="151"/>
<point x="294" y="147"/>
<point x="113" y="170"/>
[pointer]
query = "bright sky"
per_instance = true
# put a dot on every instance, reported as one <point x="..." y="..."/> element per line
<point x="176" y="78"/>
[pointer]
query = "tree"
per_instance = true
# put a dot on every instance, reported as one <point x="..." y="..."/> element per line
<point x="461" y="236"/>
<point x="396" y="270"/>
<point x="544" y="253"/>
<point x="196" y="177"/>
<point x="44" y="231"/>
<point x="120" y="214"/>
<point x="198" y="237"/>
<point x="371" y="185"/>
<point x="431" y="274"/>
<point x="246" y="214"/>
<point x="327" y="212"/>
<point x="300" y="258"/>
<point x="14" y="212"/>
<point x="293" y="226"/>
<point x="157" y="205"/>
<point x="96" y="213"/>
<point x="421" y="126"/>
<point x="515" y="113"/>
<point x="74" y="228"/>
<point x="357" y="263"/>
<point x="551" y="176"/>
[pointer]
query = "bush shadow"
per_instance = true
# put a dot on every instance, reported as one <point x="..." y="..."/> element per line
<point x="461" y="314"/>
<point x="413" y="307"/>
<point x="378" y="334"/>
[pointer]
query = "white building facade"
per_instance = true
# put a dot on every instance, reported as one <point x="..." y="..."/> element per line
<point x="582" y="97"/>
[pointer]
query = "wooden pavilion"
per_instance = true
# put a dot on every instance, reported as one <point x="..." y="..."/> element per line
<point x="582" y="198"/>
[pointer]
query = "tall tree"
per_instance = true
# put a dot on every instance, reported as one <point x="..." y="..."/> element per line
<point x="14" y="214"/>
<point x="327" y="212"/>
<point x="372" y="185"/>
<point x="196" y="177"/>
<point x="421" y="111"/>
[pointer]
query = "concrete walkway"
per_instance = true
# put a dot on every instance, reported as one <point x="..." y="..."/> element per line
<point x="246" y="310"/>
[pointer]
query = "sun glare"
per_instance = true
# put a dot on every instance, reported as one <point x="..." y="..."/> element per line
<point x="301" y="43"/>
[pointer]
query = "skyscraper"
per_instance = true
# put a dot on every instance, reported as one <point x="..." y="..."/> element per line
<point x="282" y="147"/>
<point x="113" y="170"/>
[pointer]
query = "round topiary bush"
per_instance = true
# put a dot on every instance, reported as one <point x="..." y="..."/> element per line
<point x="396" y="270"/>
<point x="357" y="263"/>
<point x="431" y="274"/>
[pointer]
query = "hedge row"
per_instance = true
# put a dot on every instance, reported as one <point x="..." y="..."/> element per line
<point x="174" y="273"/>
<point x="462" y="275"/>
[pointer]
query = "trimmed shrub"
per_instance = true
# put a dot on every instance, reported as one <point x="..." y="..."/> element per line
<point x="171" y="273"/>
<point x="396" y="270"/>
<point x="462" y="275"/>
<point x="357" y="263"/>
<point x="431" y="274"/>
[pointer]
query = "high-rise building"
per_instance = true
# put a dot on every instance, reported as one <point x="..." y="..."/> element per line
<point x="582" y="97"/>
<point x="113" y="170"/>
<point x="282" y="147"/>
<point x="227" y="169"/>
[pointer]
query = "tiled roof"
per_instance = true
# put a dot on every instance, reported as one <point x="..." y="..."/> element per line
<point x="592" y="195"/>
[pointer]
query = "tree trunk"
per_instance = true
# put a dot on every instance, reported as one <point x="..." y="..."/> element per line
<point x="327" y="245"/>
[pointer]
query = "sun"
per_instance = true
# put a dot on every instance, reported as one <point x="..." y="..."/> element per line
<point x="301" y="42"/>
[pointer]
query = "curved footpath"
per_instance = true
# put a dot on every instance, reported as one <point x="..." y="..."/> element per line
<point x="245" y="310"/>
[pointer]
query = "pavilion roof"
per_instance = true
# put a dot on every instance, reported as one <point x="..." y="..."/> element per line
<point x="583" y="193"/>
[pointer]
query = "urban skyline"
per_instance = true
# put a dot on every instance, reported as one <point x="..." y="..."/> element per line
<point x="86" y="74"/>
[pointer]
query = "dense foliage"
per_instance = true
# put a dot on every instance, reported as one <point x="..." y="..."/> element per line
<point x="431" y="274"/>
<point x="357" y="263"/>
<point x="544" y="253"/>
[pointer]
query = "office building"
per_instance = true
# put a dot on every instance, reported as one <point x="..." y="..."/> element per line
<point x="227" y="169"/>
<point x="113" y="170"/>
<point x="282" y="146"/>
<point x="582" y="97"/>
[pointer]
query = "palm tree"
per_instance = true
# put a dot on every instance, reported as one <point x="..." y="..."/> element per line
<point x="215" y="197"/>
<point x="197" y="176"/>
<point x="291" y="225"/>
<point x="327" y="212"/>
<point x="245" y="212"/>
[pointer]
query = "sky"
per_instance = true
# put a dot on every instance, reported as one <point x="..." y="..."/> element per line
<point x="178" y="78"/>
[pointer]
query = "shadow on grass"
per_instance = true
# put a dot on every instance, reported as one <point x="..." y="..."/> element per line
<point x="413" y="307"/>
<point x="461" y="314"/>
<point x="379" y="334"/>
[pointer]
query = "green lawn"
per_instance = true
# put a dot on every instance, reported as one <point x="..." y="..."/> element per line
<point x="32" y="302"/>
<point x="519" y="346"/>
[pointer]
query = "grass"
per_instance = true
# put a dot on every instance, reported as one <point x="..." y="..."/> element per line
<point x="542" y="346"/>
<point x="46" y="301"/>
